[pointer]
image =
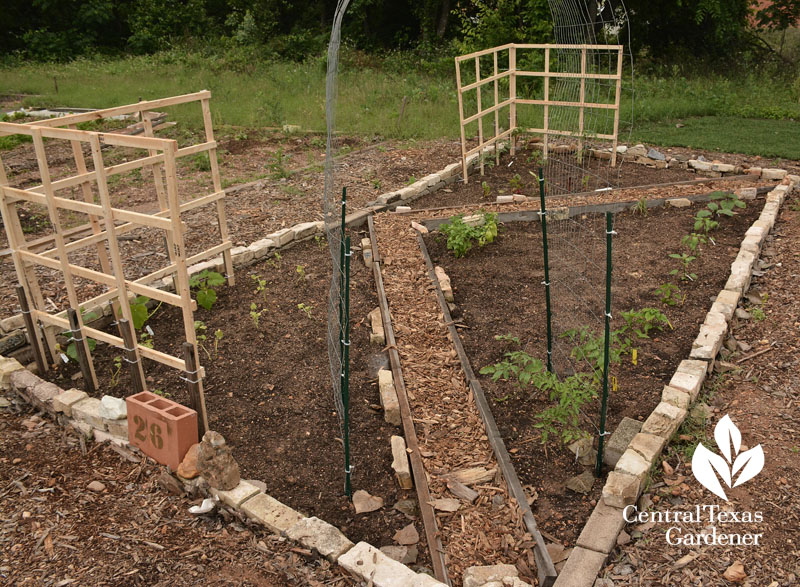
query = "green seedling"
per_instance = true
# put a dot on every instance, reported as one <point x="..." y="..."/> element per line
<point x="683" y="272"/>
<point x="255" y="313"/>
<point x="725" y="204"/>
<point x="487" y="189"/>
<point x="71" y="350"/>
<point x="218" y="334"/>
<point x="758" y="314"/>
<point x="703" y="221"/>
<point x="277" y="165"/>
<point x="116" y="370"/>
<point x="515" y="183"/>
<point x="301" y="273"/>
<point x="307" y="308"/>
<point x="411" y="180"/>
<point x="670" y="294"/>
<point x="261" y="285"/>
<point x="694" y="240"/>
<point x="275" y="262"/>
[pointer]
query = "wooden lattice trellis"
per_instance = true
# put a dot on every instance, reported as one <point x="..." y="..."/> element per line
<point x="107" y="223"/>
<point x="582" y="70"/>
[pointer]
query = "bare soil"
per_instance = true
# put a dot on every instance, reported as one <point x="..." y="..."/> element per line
<point x="761" y="395"/>
<point x="498" y="291"/>
<point x="55" y="530"/>
<point x="268" y="389"/>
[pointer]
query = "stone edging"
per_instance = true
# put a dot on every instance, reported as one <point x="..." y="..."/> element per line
<point x="85" y="415"/>
<point x="626" y="481"/>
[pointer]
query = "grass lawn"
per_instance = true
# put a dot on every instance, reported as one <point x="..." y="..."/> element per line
<point x="730" y="134"/>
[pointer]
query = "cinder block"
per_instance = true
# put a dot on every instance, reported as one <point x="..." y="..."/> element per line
<point x="270" y="512"/>
<point x="373" y="567"/>
<point x="619" y="440"/>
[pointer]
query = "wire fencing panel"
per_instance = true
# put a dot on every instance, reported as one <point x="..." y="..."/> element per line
<point x="334" y="211"/>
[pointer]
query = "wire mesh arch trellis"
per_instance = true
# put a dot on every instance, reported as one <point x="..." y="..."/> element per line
<point x="334" y="209"/>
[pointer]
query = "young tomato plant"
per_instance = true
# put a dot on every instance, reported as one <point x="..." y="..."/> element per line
<point x="685" y="260"/>
<point x="725" y="204"/>
<point x="306" y="308"/>
<point x="205" y="282"/>
<point x="670" y="294"/>
<point x="255" y="313"/>
<point x="261" y="285"/>
<point x="515" y="183"/>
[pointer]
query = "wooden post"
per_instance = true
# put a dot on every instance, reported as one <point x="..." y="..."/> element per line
<point x="480" y="111"/>
<point x="78" y="339"/>
<point x="616" y="109"/>
<point x="131" y="356"/>
<point x="581" y="113"/>
<point x="496" y="112"/>
<point x="33" y="336"/>
<point x="546" y="121"/>
<point x="197" y="400"/>
<point x="464" y="170"/>
<point x="512" y="94"/>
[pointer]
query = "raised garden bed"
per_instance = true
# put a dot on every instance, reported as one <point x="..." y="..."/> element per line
<point x="497" y="291"/>
<point x="268" y="389"/>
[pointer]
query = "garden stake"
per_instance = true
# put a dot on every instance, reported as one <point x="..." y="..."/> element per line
<point x="83" y="358"/>
<point x="192" y="379"/>
<point x="33" y="336"/>
<point x="543" y="215"/>
<point x="341" y="270"/>
<point x="130" y="355"/>
<point x="609" y="233"/>
<point x="346" y="369"/>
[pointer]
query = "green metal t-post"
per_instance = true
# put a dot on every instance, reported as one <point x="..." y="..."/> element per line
<point x="600" y="443"/>
<point x="346" y="368"/>
<point x="543" y="215"/>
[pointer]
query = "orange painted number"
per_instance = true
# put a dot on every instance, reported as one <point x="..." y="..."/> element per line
<point x="140" y="426"/>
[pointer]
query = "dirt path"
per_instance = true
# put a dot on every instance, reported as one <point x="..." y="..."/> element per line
<point x="762" y="396"/>
<point x="54" y="529"/>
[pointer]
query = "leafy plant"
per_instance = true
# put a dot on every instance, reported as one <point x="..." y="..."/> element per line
<point x="255" y="313"/>
<point x="685" y="260"/>
<point x="200" y="333"/>
<point x="116" y="371"/>
<point x="307" y="308"/>
<point x="276" y="260"/>
<point x="670" y="294"/>
<point x="205" y="282"/>
<point x="71" y="350"/>
<point x="462" y="236"/>
<point x="218" y="334"/>
<point x="411" y="180"/>
<point x="693" y="240"/>
<point x="487" y="189"/>
<point x="641" y="322"/>
<point x="301" y="273"/>
<point x="146" y="338"/>
<point x="515" y="183"/>
<point x="140" y="313"/>
<point x="758" y="314"/>
<point x="725" y="203"/>
<point x="703" y="221"/>
<point x="641" y="206"/>
<point x="277" y="164"/>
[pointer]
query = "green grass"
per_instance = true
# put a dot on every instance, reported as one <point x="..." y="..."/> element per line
<point x="767" y="138"/>
<point x="754" y="114"/>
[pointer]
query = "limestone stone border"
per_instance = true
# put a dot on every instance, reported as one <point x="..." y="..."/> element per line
<point x="86" y="415"/>
<point x="626" y="481"/>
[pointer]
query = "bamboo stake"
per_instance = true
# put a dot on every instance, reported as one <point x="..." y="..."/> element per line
<point x="512" y="94"/>
<point x="84" y="359"/>
<point x="480" y="112"/>
<point x="616" y="109"/>
<point x="30" y="327"/>
<point x="496" y="112"/>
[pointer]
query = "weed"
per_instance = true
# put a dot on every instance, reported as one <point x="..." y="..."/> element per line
<point x="307" y="308"/>
<point x="201" y="162"/>
<point x="276" y="260"/>
<point x="277" y="164"/>
<point x="301" y="273"/>
<point x="205" y="282"/>
<point x="462" y="236"/>
<point x="162" y="393"/>
<point x="670" y="294"/>
<point x="585" y="182"/>
<point x="487" y="189"/>
<point x="320" y="240"/>
<point x="376" y="183"/>
<point x="641" y="206"/>
<point x="758" y="314"/>
<point x="411" y="180"/>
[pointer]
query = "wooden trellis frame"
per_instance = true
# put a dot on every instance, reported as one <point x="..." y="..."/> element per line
<point x="108" y="223"/>
<point x="512" y="73"/>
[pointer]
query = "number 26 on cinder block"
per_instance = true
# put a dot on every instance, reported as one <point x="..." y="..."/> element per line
<point x="145" y="433"/>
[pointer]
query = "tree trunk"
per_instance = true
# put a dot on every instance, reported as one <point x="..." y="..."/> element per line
<point x="444" y="15"/>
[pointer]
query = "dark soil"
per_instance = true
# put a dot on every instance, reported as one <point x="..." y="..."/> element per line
<point x="497" y="291"/>
<point x="499" y="179"/>
<point x="268" y="389"/>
